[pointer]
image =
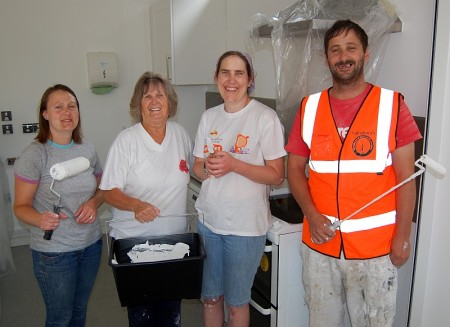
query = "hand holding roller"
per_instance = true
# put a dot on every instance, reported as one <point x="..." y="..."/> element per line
<point x="60" y="171"/>
<point x="423" y="160"/>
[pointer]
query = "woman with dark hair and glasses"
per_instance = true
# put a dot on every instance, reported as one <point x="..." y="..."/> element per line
<point x="66" y="265"/>
<point x="146" y="176"/>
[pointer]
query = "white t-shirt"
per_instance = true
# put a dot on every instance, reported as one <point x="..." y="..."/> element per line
<point x="233" y="204"/>
<point x="152" y="172"/>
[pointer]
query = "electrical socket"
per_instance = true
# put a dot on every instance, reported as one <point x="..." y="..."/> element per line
<point x="27" y="128"/>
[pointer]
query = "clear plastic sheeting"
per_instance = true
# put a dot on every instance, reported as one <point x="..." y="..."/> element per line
<point x="6" y="225"/>
<point x="297" y="39"/>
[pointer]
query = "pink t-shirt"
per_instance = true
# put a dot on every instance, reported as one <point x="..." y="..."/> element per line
<point x="343" y="112"/>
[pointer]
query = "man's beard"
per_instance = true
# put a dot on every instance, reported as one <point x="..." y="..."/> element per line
<point x="347" y="79"/>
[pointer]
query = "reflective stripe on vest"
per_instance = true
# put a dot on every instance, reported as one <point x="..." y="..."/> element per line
<point x="383" y="156"/>
<point x="357" y="225"/>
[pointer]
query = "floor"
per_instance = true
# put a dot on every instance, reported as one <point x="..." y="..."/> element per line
<point x="21" y="302"/>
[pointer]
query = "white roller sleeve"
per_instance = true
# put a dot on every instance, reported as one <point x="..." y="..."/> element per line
<point x="69" y="168"/>
<point x="433" y="165"/>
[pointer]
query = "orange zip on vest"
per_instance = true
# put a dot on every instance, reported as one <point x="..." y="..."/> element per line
<point x="345" y="175"/>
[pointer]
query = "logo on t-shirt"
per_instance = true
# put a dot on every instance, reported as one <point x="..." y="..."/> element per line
<point x="343" y="132"/>
<point x="362" y="145"/>
<point x="183" y="166"/>
<point x="240" y="144"/>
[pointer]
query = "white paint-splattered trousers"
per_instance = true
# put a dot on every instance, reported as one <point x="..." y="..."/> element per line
<point x="368" y="287"/>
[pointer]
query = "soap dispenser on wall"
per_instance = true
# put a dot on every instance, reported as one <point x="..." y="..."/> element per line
<point x="102" y="72"/>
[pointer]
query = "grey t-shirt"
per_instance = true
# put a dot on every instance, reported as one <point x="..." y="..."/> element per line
<point x="33" y="166"/>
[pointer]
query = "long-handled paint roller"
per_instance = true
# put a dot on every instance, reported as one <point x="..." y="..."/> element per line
<point x="423" y="160"/>
<point x="60" y="171"/>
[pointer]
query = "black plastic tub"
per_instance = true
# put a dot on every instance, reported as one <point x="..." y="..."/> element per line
<point x="140" y="283"/>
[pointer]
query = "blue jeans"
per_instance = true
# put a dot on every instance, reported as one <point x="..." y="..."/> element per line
<point x="66" y="280"/>
<point x="230" y="265"/>
<point x="155" y="314"/>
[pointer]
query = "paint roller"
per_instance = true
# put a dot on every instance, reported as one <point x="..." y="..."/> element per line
<point x="60" y="171"/>
<point x="419" y="163"/>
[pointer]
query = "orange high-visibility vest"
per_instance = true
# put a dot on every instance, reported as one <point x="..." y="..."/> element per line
<point x="344" y="175"/>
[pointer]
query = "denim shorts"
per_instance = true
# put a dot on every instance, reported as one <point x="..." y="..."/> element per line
<point x="230" y="265"/>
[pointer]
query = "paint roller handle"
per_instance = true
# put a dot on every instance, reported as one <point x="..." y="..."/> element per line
<point x="424" y="159"/>
<point x="48" y="233"/>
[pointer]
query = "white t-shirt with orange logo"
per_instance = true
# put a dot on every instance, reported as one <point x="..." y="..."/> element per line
<point x="233" y="204"/>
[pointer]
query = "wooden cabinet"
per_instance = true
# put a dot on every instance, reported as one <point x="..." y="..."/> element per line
<point x="188" y="36"/>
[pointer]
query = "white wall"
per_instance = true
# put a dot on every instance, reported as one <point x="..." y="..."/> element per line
<point x="431" y="293"/>
<point x="239" y="19"/>
<point x="45" y="42"/>
<point x="407" y="63"/>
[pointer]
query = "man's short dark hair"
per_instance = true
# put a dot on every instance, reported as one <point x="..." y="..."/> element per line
<point x="344" y="26"/>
